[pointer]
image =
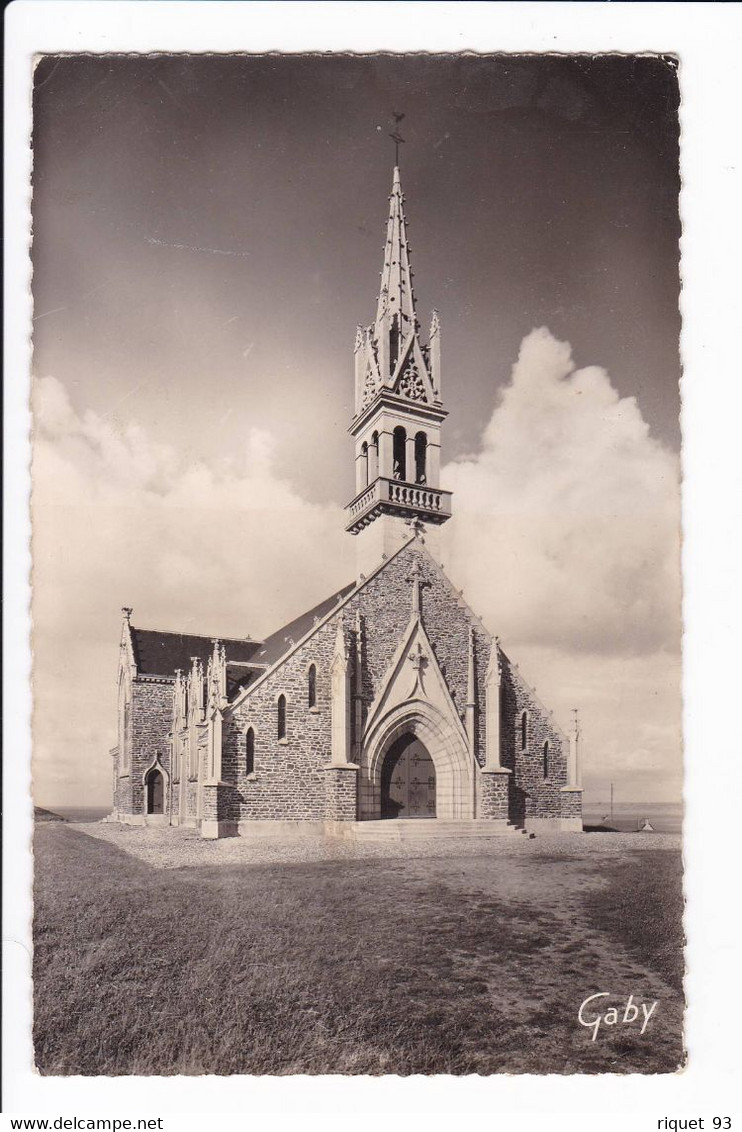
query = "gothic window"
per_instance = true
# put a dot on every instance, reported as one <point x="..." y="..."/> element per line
<point x="281" y="713"/>
<point x="364" y="464"/>
<point x="524" y="731"/>
<point x="421" y="453"/>
<point x="250" y="751"/>
<point x="312" y="686"/>
<point x="546" y="759"/>
<point x="399" y="453"/>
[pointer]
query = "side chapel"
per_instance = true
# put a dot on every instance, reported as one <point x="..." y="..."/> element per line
<point x="389" y="708"/>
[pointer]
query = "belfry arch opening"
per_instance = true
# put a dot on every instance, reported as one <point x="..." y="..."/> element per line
<point x="421" y="458"/>
<point x="399" y="453"/>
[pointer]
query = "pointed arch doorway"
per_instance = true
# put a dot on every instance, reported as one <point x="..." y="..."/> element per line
<point x="408" y="780"/>
<point x="155" y="787"/>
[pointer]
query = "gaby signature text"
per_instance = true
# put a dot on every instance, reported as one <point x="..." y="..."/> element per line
<point x="593" y="1015"/>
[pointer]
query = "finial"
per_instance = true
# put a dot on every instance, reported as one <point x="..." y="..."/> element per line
<point x="127" y="612"/>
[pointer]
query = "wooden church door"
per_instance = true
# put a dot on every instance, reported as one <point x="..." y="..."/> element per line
<point x="154" y="792"/>
<point x="408" y="781"/>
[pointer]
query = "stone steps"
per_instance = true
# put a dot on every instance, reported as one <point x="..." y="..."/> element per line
<point x="400" y="829"/>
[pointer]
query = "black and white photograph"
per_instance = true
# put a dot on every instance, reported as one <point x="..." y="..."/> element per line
<point x="356" y="564"/>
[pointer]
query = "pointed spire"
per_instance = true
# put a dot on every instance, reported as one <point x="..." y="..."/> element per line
<point x="396" y="297"/>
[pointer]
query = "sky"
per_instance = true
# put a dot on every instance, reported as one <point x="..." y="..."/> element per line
<point x="208" y="232"/>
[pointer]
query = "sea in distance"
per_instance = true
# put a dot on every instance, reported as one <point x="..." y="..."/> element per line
<point x="664" y="817"/>
<point x="79" y="813"/>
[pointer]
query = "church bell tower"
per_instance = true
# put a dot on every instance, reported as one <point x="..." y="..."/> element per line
<point x="398" y="413"/>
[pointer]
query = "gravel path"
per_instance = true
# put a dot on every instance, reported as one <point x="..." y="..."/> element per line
<point x="174" y="847"/>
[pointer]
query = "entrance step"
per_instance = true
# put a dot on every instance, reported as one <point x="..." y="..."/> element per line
<point x="402" y="829"/>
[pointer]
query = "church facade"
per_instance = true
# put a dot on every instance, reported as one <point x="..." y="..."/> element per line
<point x="388" y="705"/>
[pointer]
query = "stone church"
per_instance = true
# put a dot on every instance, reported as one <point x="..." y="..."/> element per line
<point x="388" y="709"/>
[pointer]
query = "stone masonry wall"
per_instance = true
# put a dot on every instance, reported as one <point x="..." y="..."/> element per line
<point x="572" y="804"/>
<point x="493" y="796"/>
<point x="341" y="794"/>
<point x="386" y="605"/>
<point x="121" y="785"/>
<point x="288" y="781"/>
<point x="152" y="707"/>
<point x="532" y="794"/>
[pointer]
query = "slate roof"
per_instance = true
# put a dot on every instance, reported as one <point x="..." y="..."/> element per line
<point x="277" y="644"/>
<point x="159" y="654"/>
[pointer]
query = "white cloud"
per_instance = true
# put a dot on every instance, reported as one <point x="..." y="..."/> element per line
<point x="120" y="520"/>
<point x="565" y="538"/>
<point x="566" y="524"/>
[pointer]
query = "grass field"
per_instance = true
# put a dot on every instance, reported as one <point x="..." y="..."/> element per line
<point x="466" y="964"/>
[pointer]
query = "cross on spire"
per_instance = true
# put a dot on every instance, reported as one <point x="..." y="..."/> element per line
<point x="396" y="136"/>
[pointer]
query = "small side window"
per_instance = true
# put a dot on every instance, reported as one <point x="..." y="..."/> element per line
<point x="524" y="731"/>
<point x="281" y="716"/>
<point x="312" y="686"/>
<point x="250" y="751"/>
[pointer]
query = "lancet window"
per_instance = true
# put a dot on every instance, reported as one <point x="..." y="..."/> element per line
<point x="421" y="455"/>
<point x="399" y="453"/>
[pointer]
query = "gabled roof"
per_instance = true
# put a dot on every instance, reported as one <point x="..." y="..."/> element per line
<point x="160" y="654"/>
<point x="281" y="641"/>
<point x="297" y="632"/>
